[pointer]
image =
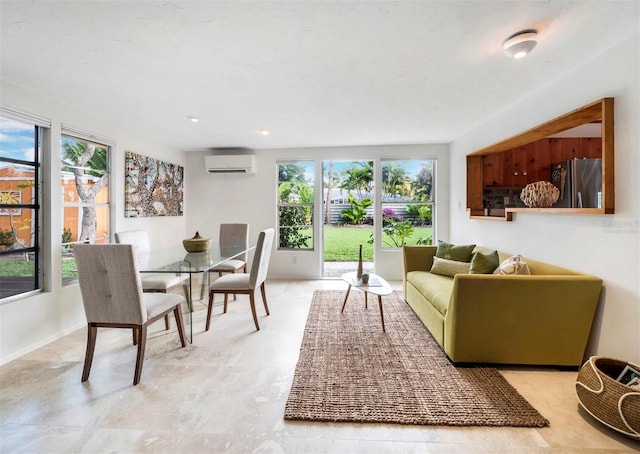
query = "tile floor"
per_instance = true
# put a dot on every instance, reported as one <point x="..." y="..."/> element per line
<point x="226" y="393"/>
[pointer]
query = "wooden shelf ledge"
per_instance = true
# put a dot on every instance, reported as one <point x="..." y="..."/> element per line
<point x="508" y="215"/>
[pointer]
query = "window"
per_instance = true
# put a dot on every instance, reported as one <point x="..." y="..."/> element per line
<point x="295" y="205"/>
<point x="407" y="202"/>
<point x="85" y="206"/>
<point x="20" y="185"/>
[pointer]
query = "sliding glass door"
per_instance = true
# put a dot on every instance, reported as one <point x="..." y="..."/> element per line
<point x="348" y="216"/>
<point x="352" y="218"/>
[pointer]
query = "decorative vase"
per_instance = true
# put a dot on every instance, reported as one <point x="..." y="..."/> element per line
<point x="197" y="243"/>
<point x="359" y="272"/>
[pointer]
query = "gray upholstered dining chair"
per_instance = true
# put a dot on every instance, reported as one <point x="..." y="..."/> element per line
<point x="153" y="282"/>
<point x="243" y="283"/>
<point x="231" y="236"/>
<point x="113" y="298"/>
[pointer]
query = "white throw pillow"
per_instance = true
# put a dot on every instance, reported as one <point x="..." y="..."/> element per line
<point x="449" y="268"/>
<point x="512" y="266"/>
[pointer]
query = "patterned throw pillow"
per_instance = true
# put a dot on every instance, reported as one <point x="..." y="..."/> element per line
<point x="482" y="263"/>
<point x="452" y="252"/>
<point x="512" y="266"/>
<point x="449" y="268"/>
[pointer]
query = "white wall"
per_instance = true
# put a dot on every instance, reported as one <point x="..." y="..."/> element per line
<point x="606" y="246"/>
<point x="27" y="323"/>
<point x="251" y="198"/>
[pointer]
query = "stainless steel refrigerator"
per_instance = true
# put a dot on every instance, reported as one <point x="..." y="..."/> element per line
<point x="579" y="182"/>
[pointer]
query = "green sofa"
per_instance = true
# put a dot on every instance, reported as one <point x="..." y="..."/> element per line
<point x="540" y="319"/>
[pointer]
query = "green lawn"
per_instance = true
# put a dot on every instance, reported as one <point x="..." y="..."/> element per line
<point x="341" y="244"/>
<point x="16" y="269"/>
<point x="23" y="268"/>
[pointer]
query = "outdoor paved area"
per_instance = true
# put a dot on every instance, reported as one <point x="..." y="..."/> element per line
<point x="337" y="269"/>
<point x="10" y="286"/>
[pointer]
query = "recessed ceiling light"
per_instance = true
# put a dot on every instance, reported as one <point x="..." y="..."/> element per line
<point x="520" y="44"/>
<point x="193" y="118"/>
<point x="264" y="132"/>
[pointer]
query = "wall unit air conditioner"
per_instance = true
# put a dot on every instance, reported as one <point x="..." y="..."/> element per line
<point x="241" y="163"/>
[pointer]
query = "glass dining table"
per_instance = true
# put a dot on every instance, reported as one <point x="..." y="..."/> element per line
<point x="177" y="260"/>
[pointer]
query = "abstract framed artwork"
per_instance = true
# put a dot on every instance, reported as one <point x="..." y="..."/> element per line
<point x="152" y="187"/>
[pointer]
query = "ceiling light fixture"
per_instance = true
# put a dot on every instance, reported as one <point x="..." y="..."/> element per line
<point x="264" y="132"/>
<point x="520" y="44"/>
<point x="193" y="118"/>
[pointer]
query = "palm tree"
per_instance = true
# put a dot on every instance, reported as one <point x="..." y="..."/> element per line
<point x="394" y="181"/>
<point x="329" y="185"/>
<point x="359" y="178"/>
<point x="86" y="159"/>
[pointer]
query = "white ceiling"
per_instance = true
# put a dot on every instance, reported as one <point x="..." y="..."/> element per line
<point x="315" y="73"/>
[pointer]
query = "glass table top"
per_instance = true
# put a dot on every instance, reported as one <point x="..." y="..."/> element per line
<point x="177" y="260"/>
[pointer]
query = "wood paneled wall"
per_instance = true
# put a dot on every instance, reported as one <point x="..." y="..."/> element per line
<point x="526" y="164"/>
<point x="527" y="157"/>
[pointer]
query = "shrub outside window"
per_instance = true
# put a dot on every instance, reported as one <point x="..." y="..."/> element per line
<point x="295" y="205"/>
<point x="408" y="206"/>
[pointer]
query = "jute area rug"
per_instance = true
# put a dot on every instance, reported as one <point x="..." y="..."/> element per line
<point x="349" y="370"/>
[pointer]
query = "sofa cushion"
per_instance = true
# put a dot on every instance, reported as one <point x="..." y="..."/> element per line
<point x="434" y="287"/>
<point x="512" y="266"/>
<point x="452" y="252"/>
<point x="484" y="263"/>
<point x="449" y="268"/>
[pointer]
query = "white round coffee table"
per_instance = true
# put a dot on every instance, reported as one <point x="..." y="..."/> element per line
<point x="376" y="286"/>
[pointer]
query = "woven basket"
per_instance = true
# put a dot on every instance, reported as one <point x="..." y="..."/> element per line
<point x="609" y="401"/>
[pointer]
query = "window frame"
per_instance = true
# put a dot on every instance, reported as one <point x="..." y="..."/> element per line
<point x="36" y="247"/>
<point x="385" y="203"/>
<point x="109" y="145"/>
<point x="310" y="206"/>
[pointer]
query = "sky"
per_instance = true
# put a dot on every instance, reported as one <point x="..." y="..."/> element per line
<point x="16" y="139"/>
<point x="412" y="166"/>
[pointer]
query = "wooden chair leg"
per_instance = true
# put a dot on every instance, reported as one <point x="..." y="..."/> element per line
<point x="187" y="296"/>
<point x="178" y="315"/>
<point x="235" y="297"/>
<point x="264" y="297"/>
<point x="209" y="310"/>
<point x="92" y="333"/>
<point x="142" y="342"/>
<point x="252" y="301"/>
<point x="166" y="317"/>
<point x="226" y="300"/>
<point x="204" y="284"/>
<point x="135" y="334"/>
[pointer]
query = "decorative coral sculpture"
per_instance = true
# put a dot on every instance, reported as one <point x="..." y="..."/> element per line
<point x="540" y="194"/>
